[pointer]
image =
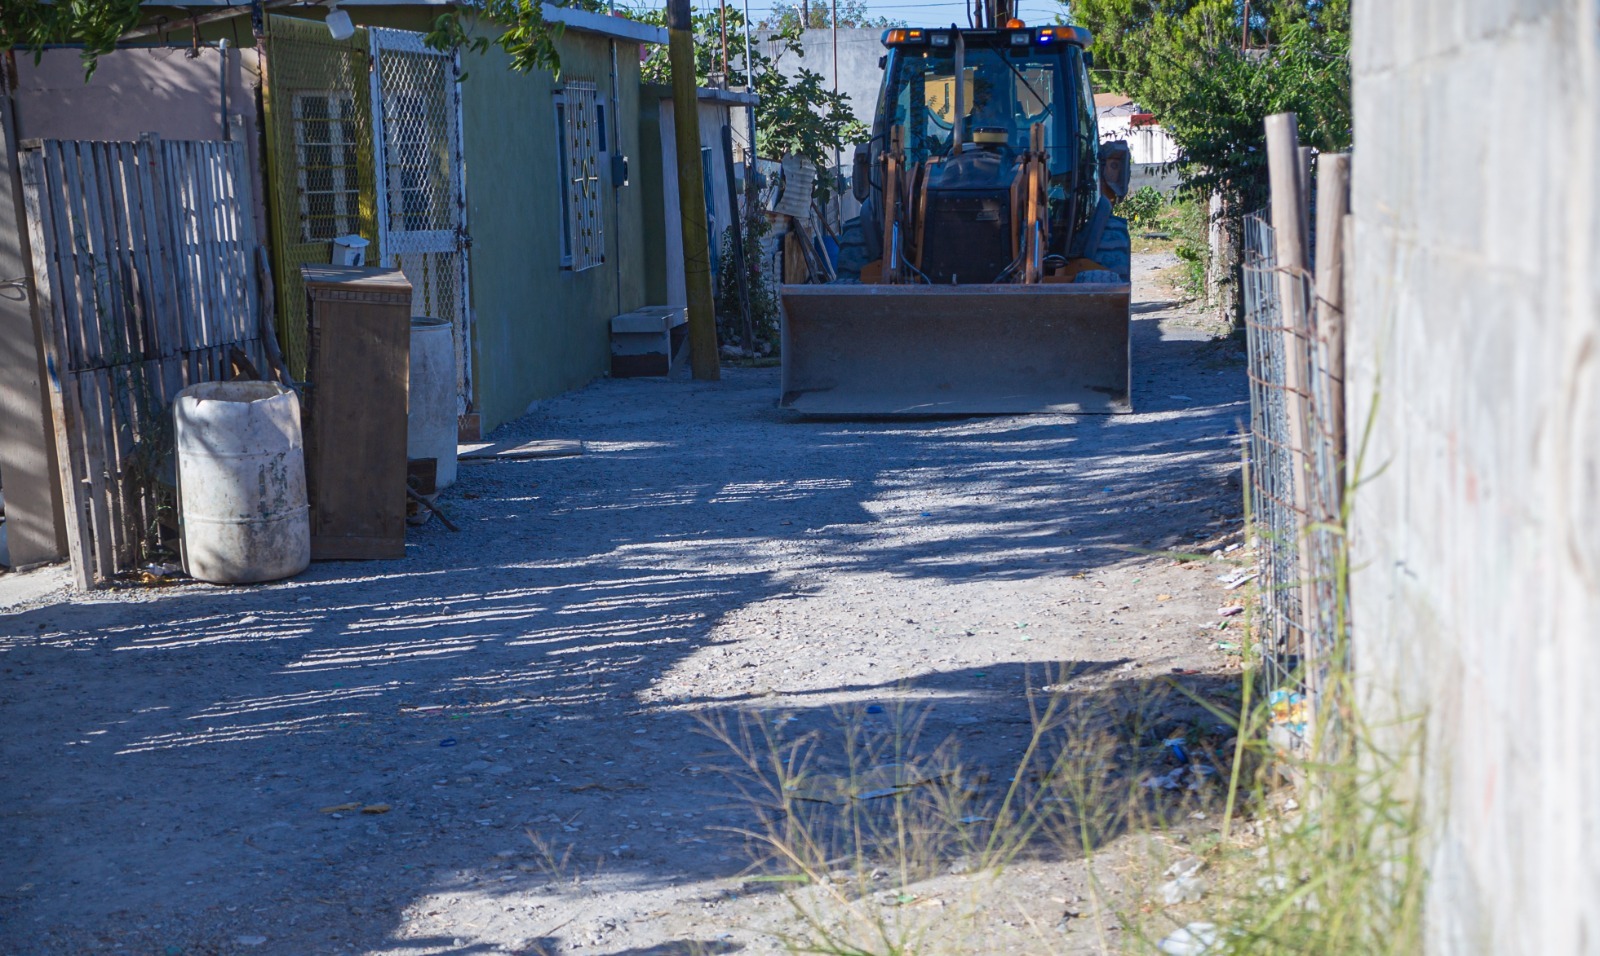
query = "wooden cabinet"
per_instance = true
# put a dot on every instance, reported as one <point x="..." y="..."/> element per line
<point x="355" y="410"/>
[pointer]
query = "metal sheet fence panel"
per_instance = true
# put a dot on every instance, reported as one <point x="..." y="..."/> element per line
<point x="144" y="258"/>
<point x="1291" y="534"/>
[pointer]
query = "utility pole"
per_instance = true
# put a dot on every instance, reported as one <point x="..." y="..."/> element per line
<point x="722" y="25"/>
<point x="691" y="194"/>
<point x="1244" y="38"/>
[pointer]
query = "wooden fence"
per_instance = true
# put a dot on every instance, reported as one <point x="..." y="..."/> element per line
<point x="146" y="264"/>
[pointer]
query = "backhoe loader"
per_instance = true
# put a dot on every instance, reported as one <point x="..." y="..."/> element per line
<point x="996" y="279"/>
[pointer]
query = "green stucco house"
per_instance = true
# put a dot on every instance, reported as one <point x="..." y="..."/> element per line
<point x="511" y="200"/>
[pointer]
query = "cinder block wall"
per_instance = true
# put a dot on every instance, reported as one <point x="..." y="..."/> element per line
<point x="1475" y="344"/>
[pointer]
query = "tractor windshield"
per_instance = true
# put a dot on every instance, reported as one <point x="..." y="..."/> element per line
<point x="1006" y="90"/>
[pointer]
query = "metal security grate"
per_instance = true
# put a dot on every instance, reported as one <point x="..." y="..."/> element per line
<point x="319" y="160"/>
<point x="421" y="182"/>
<point x="579" y="131"/>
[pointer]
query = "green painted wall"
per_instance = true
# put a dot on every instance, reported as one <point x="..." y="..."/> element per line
<point x="541" y="329"/>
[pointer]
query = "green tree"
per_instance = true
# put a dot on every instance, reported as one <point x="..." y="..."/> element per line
<point x="96" y="24"/>
<point x="524" y="34"/>
<point x="796" y="115"/>
<point x="800" y="115"/>
<point x="1210" y="78"/>
<point x="1211" y="71"/>
<point x="788" y="16"/>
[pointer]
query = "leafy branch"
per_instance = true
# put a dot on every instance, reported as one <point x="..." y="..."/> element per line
<point x="96" y="24"/>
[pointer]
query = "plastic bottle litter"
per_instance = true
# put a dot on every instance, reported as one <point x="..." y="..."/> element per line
<point x="1196" y="939"/>
<point x="1188" y="888"/>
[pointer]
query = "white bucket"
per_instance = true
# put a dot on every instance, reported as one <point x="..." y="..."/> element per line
<point x="431" y="428"/>
<point x="241" y="482"/>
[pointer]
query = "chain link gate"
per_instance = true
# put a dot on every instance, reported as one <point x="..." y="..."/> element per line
<point x="319" y="159"/>
<point x="421" y="182"/>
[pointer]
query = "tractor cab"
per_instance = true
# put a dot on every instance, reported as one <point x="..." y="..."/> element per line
<point x="966" y="141"/>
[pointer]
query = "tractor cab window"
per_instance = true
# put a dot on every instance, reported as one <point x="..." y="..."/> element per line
<point x="1005" y="91"/>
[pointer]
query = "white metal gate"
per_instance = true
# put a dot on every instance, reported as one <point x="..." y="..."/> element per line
<point x="421" y="182"/>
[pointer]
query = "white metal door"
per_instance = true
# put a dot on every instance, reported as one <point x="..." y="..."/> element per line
<point x="421" y="182"/>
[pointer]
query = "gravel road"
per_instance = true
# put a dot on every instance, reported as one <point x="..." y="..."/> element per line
<point x="173" y="757"/>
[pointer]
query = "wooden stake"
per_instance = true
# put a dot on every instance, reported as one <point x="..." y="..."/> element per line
<point x="1333" y="207"/>
<point x="1288" y="212"/>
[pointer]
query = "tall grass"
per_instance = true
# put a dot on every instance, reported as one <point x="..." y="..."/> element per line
<point x="1136" y="786"/>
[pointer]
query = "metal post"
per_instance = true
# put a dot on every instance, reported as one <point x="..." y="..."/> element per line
<point x="691" y="194"/>
<point x="750" y="111"/>
<point x="749" y="67"/>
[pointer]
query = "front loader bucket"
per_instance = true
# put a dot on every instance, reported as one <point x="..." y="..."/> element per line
<point x="955" y="350"/>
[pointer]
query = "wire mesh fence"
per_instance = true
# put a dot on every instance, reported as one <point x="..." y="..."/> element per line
<point x="1296" y="485"/>
<point x="320" y="160"/>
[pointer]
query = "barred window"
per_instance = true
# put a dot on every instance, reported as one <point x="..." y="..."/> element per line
<point x="326" y="169"/>
<point x="578" y="142"/>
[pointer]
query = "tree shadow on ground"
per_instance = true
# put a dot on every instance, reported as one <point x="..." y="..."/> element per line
<point x="497" y="682"/>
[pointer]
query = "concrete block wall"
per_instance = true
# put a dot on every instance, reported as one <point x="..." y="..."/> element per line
<point x="1474" y="323"/>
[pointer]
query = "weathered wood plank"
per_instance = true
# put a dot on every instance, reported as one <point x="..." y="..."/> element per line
<point x="212" y="252"/>
<point x="244" y="213"/>
<point x="126" y="205"/>
<point x="47" y="287"/>
<point x="198" y="212"/>
<point x="96" y="473"/>
<point x="168" y="323"/>
<point x="243" y="238"/>
<point x="123" y="329"/>
<point x="175" y="199"/>
<point x="227" y="244"/>
<point x="100" y="316"/>
<point x="57" y="195"/>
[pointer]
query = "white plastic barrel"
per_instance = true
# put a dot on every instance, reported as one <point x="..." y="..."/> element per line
<point x="431" y="429"/>
<point x="241" y="482"/>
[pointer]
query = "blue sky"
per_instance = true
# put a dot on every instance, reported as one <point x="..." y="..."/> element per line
<point x="929" y="13"/>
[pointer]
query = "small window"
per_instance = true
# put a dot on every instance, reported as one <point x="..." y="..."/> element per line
<point x="579" y="144"/>
<point x="326" y="165"/>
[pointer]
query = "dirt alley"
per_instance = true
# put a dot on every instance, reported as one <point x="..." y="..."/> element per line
<point x="169" y="754"/>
